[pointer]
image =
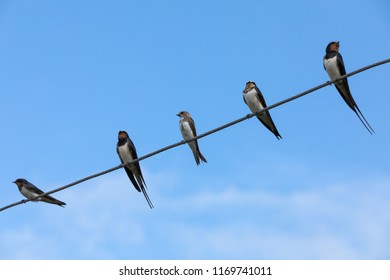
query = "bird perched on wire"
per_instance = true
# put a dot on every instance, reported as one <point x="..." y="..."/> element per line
<point x="255" y="101"/>
<point x="30" y="191"/>
<point x="127" y="153"/>
<point x="334" y="66"/>
<point x="188" y="131"/>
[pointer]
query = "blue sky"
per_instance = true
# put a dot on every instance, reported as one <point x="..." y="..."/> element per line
<point x="74" y="73"/>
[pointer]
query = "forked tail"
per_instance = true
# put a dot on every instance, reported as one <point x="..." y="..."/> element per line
<point x="363" y="120"/>
<point x="147" y="198"/>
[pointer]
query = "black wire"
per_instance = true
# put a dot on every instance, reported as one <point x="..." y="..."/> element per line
<point x="199" y="136"/>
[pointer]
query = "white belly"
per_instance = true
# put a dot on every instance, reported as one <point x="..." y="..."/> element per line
<point x="125" y="154"/>
<point x="252" y="101"/>
<point x="332" y="68"/>
<point x="27" y="193"/>
<point x="186" y="131"/>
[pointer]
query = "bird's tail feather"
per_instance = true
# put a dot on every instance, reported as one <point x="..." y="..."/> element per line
<point x="198" y="156"/>
<point x="52" y="200"/>
<point x="202" y="157"/>
<point x="142" y="186"/>
<point x="147" y="198"/>
<point x="363" y="120"/>
<point x="194" y="152"/>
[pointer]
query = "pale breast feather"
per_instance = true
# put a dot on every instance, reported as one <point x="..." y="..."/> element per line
<point x="124" y="153"/>
<point x="332" y="68"/>
<point x="28" y="193"/>
<point x="186" y="130"/>
<point x="252" y="101"/>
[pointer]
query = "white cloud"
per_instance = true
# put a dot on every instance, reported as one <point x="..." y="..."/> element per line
<point x="340" y="221"/>
<point x="24" y="243"/>
<point x="106" y="218"/>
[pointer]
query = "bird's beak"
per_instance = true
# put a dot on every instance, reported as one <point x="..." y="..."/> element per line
<point x="14" y="182"/>
<point x="338" y="43"/>
<point x="178" y="115"/>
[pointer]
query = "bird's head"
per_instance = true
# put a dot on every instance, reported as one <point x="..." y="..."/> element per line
<point x="333" y="46"/>
<point x="183" y="114"/>
<point x="122" y="135"/>
<point x="19" y="182"/>
<point x="249" y="86"/>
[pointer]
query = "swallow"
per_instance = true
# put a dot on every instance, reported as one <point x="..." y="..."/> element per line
<point x="30" y="191"/>
<point x="127" y="153"/>
<point x="334" y="66"/>
<point x="188" y="131"/>
<point x="255" y="101"/>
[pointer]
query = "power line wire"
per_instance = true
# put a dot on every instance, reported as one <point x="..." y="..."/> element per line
<point x="200" y="135"/>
